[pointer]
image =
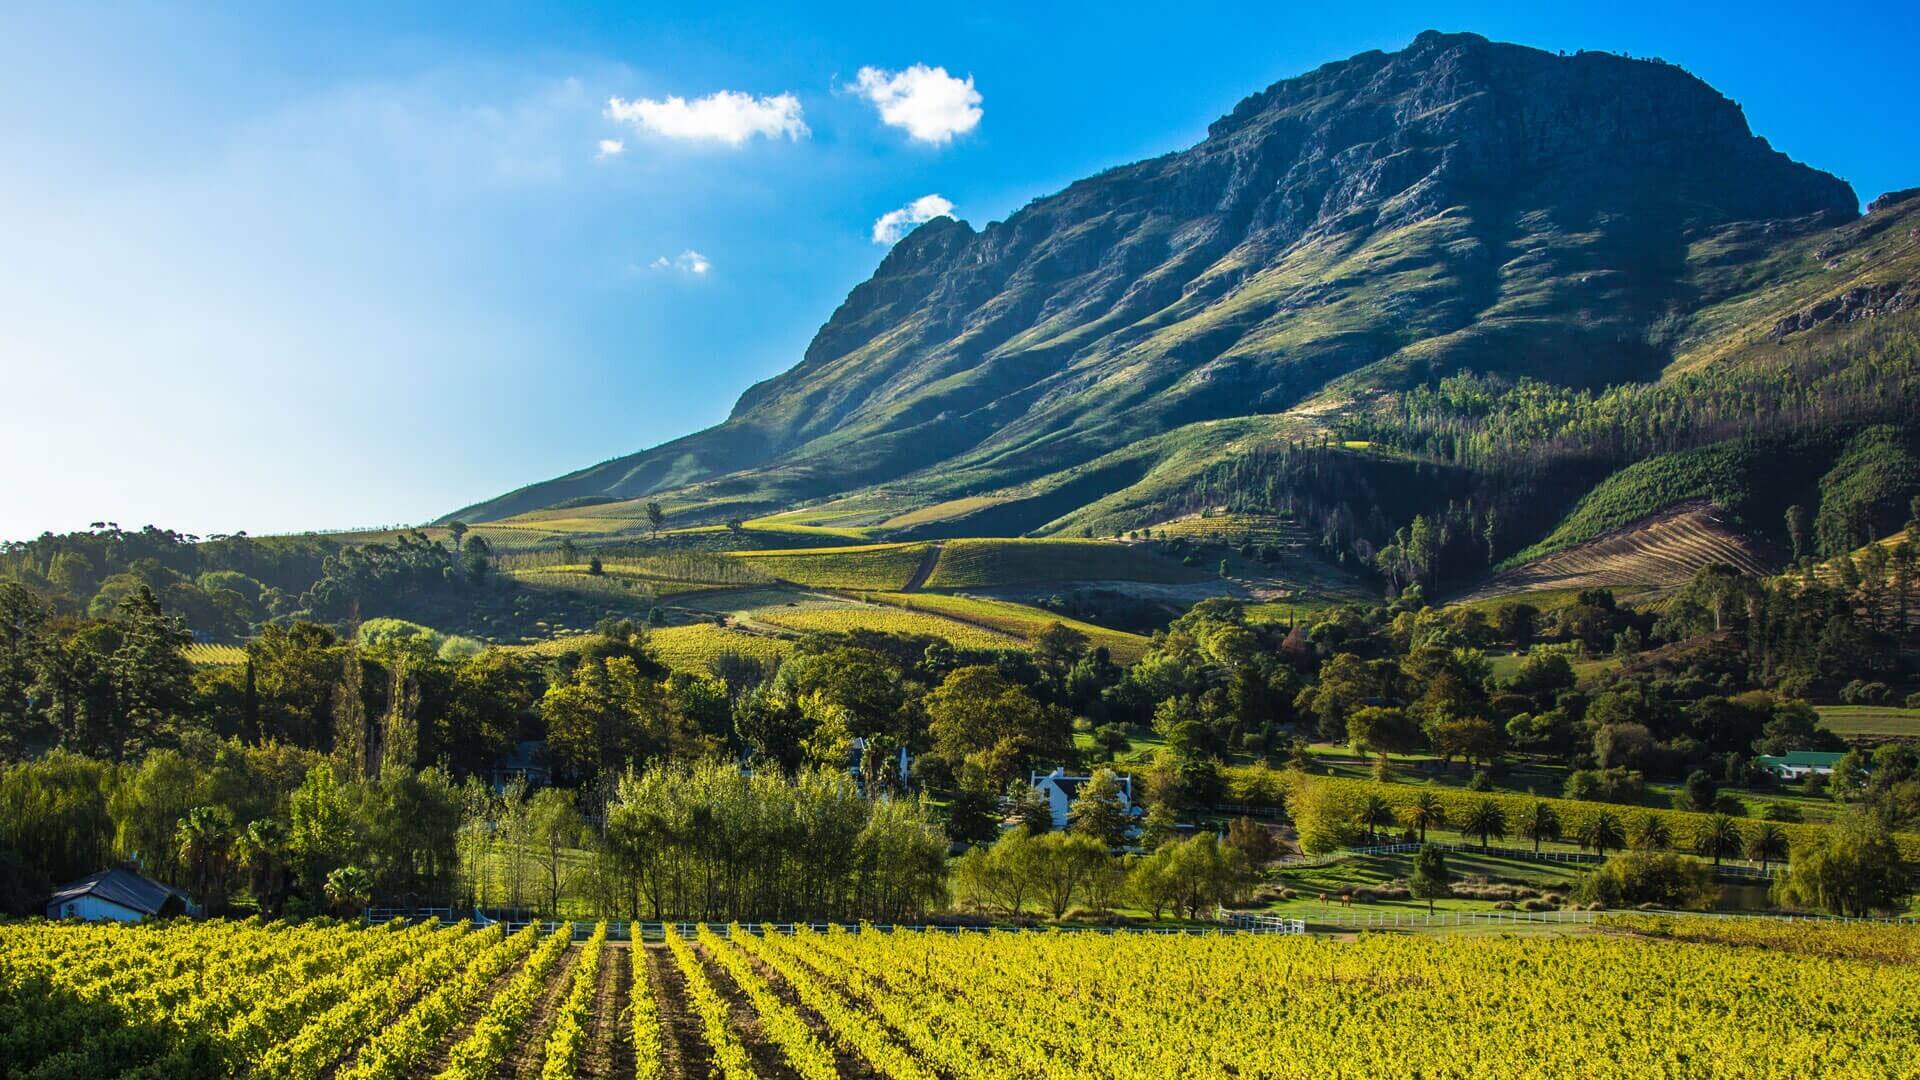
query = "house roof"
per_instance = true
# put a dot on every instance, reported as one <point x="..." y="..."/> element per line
<point x="528" y="756"/>
<point x="123" y="887"/>
<point x="1801" y="757"/>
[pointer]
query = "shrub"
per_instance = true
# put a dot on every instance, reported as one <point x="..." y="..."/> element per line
<point x="1660" y="878"/>
<point x="1616" y="785"/>
<point x="1863" y="692"/>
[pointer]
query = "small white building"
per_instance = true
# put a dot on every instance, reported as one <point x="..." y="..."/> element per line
<point x="1061" y="789"/>
<point x="120" y="896"/>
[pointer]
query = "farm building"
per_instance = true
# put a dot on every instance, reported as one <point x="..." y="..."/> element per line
<point x="118" y="895"/>
<point x="526" y="761"/>
<point x="1061" y="789"/>
<point x="1797" y="764"/>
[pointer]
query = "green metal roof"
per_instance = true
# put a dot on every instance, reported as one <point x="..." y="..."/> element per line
<point x="1801" y="757"/>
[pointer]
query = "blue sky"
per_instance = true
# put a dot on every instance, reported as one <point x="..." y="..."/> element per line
<point x="273" y="268"/>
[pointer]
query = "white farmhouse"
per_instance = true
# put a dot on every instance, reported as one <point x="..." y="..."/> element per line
<point x="1061" y="789"/>
<point x="118" y="895"/>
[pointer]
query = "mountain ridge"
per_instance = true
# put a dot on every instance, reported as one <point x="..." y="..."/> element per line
<point x="1460" y="204"/>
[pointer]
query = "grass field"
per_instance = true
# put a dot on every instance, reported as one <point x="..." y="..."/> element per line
<point x="977" y="564"/>
<point x="895" y="620"/>
<point x="878" y="567"/>
<point x="1879" y="721"/>
<point x="1018" y="620"/>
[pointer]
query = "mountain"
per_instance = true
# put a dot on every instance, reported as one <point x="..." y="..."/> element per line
<point x="1339" y="238"/>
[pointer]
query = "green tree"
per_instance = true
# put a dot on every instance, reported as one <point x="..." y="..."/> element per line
<point x="1718" y="836"/>
<point x="555" y="826"/>
<point x="656" y="518"/>
<point x="349" y="890"/>
<point x="1541" y="824"/>
<point x="1431" y="879"/>
<point x="262" y="852"/>
<point x="205" y="839"/>
<point x="1797" y="530"/>
<point x="1853" y="868"/>
<point x="1066" y="861"/>
<point x="1486" y="821"/>
<point x="1652" y="833"/>
<point x="1374" y="814"/>
<point x="1603" y="833"/>
<point x="1427" y="812"/>
<point x="1767" y="845"/>
<point x="1100" y="810"/>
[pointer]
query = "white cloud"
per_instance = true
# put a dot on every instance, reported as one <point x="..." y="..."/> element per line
<point x="727" y="116"/>
<point x="894" y="224"/>
<point x="930" y="104"/>
<point x="611" y="148"/>
<point x="687" y="262"/>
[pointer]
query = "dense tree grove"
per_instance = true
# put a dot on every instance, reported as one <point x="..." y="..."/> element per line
<point x="755" y="790"/>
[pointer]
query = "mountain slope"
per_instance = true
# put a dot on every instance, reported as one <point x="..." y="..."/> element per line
<point x="1458" y="204"/>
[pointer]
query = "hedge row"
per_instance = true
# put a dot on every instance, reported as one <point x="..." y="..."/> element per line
<point x="1258" y="785"/>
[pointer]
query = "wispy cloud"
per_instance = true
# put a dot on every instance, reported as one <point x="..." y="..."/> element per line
<point x="687" y="262"/>
<point x="929" y="104"/>
<point x="611" y="148"/>
<point x="894" y="224"/>
<point x="726" y="116"/>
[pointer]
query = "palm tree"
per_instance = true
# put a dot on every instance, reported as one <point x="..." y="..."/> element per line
<point x="1603" y="833"/>
<point x="1426" y="812"/>
<point x="1652" y="833"/>
<point x="1376" y="812"/>
<point x="1718" y="836"/>
<point x="205" y="840"/>
<point x="1542" y="823"/>
<point x="1485" y="821"/>
<point x="262" y="850"/>
<point x="349" y="890"/>
<point x="1768" y="842"/>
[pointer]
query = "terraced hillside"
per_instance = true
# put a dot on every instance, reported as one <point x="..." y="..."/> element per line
<point x="1657" y="553"/>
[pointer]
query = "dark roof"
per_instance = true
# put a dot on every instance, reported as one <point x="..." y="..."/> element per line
<point x="123" y="887"/>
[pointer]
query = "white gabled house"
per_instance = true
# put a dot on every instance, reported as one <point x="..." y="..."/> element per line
<point x="1061" y="789"/>
<point x="120" y="896"/>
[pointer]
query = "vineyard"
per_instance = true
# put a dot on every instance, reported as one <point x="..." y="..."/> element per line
<point x="1642" y="996"/>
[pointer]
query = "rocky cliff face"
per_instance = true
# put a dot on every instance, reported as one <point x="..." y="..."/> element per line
<point x="1460" y="203"/>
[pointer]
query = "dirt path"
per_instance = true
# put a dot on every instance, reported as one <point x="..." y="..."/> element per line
<point x="686" y="1050"/>
<point x="609" y="1053"/>
<point x="768" y="1061"/>
<point x="530" y="1049"/>
<point x="438" y="1061"/>
<point x="929" y="559"/>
